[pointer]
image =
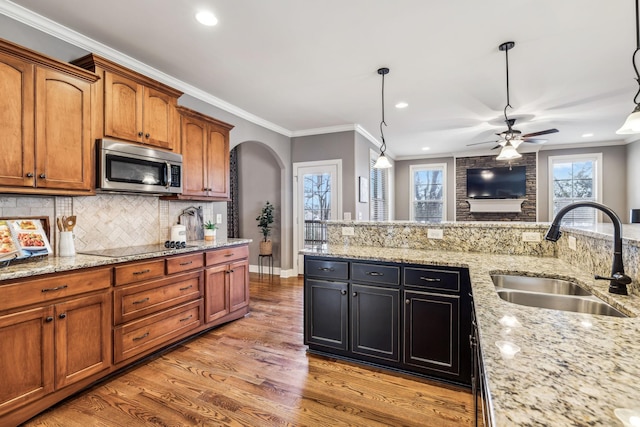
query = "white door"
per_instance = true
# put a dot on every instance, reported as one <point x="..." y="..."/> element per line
<point x="316" y="198"/>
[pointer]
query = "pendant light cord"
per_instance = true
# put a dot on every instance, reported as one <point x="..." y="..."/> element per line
<point x="383" y="147"/>
<point x="633" y="58"/>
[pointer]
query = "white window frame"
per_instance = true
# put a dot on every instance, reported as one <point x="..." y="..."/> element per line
<point x="427" y="166"/>
<point x="572" y="158"/>
<point x="373" y="156"/>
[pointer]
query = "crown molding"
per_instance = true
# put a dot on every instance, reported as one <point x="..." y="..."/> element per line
<point x="70" y="36"/>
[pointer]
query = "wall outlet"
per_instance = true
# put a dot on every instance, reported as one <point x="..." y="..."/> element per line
<point x="572" y="243"/>
<point x="348" y="231"/>
<point x="531" y="236"/>
<point x="218" y="218"/>
<point x="435" y="233"/>
<point x="347" y="216"/>
<point x="360" y="215"/>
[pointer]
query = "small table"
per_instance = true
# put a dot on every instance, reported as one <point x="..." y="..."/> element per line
<point x="269" y="264"/>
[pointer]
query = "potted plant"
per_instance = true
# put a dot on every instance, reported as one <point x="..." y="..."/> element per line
<point x="265" y="219"/>
<point x="210" y="231"/>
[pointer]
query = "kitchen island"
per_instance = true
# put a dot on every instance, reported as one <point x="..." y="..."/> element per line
<point x="571" y="368"/>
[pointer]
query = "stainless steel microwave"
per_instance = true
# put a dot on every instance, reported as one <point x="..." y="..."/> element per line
<point x="127" y="167"/>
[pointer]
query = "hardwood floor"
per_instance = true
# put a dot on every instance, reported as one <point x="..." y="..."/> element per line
<point x="256" y="372"/>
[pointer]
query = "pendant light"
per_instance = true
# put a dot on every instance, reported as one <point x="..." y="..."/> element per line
<point x="508" y="151"/>
<point x="382" y="162"/>
<point x="632" y="124"/>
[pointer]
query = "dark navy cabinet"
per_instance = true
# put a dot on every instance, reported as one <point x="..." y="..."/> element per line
<point x="412" y="318"/>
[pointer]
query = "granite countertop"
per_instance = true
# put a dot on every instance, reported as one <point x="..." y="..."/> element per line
<point x="572" y="369"/>
<point x="53" y="264"/>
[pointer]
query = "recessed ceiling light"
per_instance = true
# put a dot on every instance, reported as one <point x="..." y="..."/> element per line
<point x="206" y="18"/>
<point x="426" y="148"/>
<point x="587" y="135"/>
<point x="402" y="105"/>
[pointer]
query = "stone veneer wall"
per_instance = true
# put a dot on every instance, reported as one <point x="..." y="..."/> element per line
<point x="528" y="206"/>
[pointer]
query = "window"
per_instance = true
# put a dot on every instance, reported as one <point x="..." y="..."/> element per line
<point x="573" y="179"/>
<point x="428" y="192"/>
<point x="379" y="191"/>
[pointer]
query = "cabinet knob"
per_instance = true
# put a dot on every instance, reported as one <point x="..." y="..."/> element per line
<point x="355" y="294"/>
<point x="407" y="301"/>
<point x="42" y="176"/>
<point x="343" y="292"/>
<point x="62" y="315"/>
<point x="48" y="319"/>
<point x="29" y="175"/>
<point x="139" y="133"/>
<point x="146" y="135"/>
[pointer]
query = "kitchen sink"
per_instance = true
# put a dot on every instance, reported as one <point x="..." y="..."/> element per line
<point x="538" y="284"/>
<point x="554" y="294"/>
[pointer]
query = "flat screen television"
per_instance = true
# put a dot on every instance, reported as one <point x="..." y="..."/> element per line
<point x="496" y="183"/>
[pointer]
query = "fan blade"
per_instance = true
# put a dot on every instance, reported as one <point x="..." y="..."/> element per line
<point x="542" y="132"/>
<point x="480" y="143"/>
<point x="535" y="141"/>
<point x="497" y="146"/>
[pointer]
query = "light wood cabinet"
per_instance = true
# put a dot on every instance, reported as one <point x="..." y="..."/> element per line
<point x="205" y="149"/>
<point x="53" y="347"/>
<point x="45" y="111"/>
<point x="133" y="107"/>
<point x="227" y="285"/>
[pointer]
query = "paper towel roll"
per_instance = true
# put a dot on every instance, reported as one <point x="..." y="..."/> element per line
<point x="178" y="233"/>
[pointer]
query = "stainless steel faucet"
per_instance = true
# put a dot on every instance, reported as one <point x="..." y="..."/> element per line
<point x="618" y="281"/>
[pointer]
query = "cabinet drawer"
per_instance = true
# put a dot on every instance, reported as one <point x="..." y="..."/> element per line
<point x="432" y="278"/>
<point x="135" y="301"/>
<point x="221" y="256"/>
<point x="48" y="288"/>
<point x="156" y="330"/>
<point x="132" y="273"/>
<point x="373" y="273"/>
<point x="184" y="263"/>
<point x="326" y="269"/>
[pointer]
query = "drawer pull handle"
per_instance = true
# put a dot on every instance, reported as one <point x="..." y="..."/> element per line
<point x="374" y="273"/>
<point x="141" y="337"/>
<point x="429" y="279"/>
<point x="228" y="255"/>
<point x="186" y="263"/>
<point x="140" y="301"/>
<point x="186" y="287"/>
<point x="186" y="318"/>
<point x="326" y="269"/>
<point x="57" y="288"/>
<point x="135" y="273"/>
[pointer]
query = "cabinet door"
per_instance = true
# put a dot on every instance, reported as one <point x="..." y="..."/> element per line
<point x="432" y="334"/>
<point x="16" y="116"/>
<point x="216" y="293"/>
<point x="82" y="338"/>
<point x="218" y="163"/>
<point x="63" y="131"/>
<point x="194" y="137"/>
<point x="122" y="107"/>
<point x="238" y="285"/>
<point x="375" y="322"/>
<point x="326" y="310"/>
<point x="159" y="119"/>
<point x="26" y="363"/>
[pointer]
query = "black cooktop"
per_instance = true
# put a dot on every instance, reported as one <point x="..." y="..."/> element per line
<point x="129" y="250"/>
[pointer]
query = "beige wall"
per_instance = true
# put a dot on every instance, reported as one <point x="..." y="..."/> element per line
<point x="633" y="176"/>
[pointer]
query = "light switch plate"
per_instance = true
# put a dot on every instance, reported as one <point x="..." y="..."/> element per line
<point x="348" y="231"/>
<point x="572" y="243"/>
<point x="531" y="236"/>
<point x="218" y="218"/>
<point x="435" y="233"/>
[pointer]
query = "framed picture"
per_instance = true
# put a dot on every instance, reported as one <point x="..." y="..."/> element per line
<point x="363" y="185"/>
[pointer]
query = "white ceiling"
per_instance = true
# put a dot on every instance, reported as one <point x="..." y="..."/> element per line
<point x="307" y="64"/>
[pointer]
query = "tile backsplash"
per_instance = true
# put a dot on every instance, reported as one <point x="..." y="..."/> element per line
<point x="108" y="221"/>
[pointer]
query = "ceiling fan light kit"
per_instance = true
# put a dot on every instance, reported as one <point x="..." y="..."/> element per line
<point x="508" y="152"/>
<point x="382" y="162"/>
<point x="632" y="124"/>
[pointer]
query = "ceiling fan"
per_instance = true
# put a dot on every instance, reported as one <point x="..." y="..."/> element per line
<point x="511" y="136"/>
